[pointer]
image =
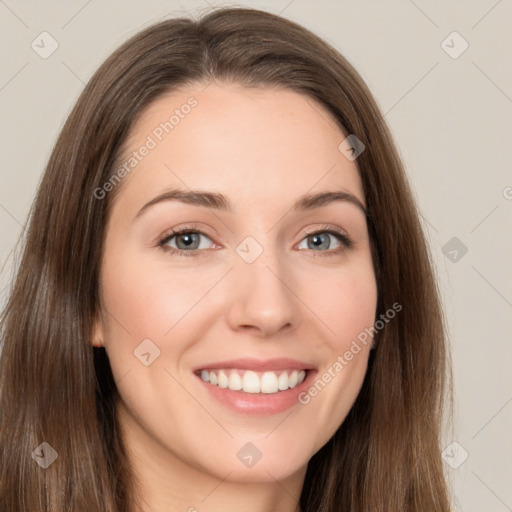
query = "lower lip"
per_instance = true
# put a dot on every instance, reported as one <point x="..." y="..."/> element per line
<point x="264" y="404"/>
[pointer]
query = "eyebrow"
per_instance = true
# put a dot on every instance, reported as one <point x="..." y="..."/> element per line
<point x="219" y="201"/>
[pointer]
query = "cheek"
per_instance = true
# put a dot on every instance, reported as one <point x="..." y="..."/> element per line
<point x="144" y="299"/>
<point x="345" y="304"/>
<point x="148" y="300"/>
<point x="344" y="300"/>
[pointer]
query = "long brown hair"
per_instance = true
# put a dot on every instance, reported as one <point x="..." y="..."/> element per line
<point x="56" y="388"/>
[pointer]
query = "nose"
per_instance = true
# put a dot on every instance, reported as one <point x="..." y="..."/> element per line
<point x="263" y="298"/>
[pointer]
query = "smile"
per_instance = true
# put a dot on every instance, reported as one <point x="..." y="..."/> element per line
<point x="249" y="381"/>
<point x="260" y="387"/>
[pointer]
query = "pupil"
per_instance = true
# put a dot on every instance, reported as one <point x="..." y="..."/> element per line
<point x="321" y="241"/>
<point x="187" y="240"/>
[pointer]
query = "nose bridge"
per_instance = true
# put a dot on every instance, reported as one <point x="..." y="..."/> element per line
<point x="262" y="290"/>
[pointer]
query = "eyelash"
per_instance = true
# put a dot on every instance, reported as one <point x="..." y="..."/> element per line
<point x="345" y="240"/>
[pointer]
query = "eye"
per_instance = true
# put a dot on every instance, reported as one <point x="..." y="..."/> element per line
<point x="193" y="242"/>
<point x="185" y="240"/>
<point x="329" y="241"/>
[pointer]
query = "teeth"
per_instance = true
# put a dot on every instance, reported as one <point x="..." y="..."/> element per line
<point x="235" y="382"/>
<point x="223" y="380"/>
<point x="269" y="383"/>
<point x="253" y="382"/>
<point x="283" y="383"/>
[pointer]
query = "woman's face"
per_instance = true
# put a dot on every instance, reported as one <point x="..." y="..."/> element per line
<point x="260" y="293"/>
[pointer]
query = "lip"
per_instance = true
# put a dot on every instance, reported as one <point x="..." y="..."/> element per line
<point x="260" y="404"/>
<point x="262" y="365"/>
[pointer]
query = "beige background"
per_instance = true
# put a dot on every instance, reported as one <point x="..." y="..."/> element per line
<point x="452" y="121"/>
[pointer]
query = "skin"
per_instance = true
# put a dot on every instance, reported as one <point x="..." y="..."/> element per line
<point x="261" y="148"/>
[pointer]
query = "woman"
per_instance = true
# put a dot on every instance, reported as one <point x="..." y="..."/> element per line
<point x="294" y="359"/>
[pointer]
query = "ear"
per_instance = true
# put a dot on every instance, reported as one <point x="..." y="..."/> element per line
<point x="98" y="333"/>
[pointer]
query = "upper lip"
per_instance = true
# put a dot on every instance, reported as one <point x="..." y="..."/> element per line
<point x="282" y="363"/>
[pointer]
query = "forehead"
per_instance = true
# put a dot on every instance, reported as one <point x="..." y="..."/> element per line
<point x="251" y="144"/>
